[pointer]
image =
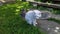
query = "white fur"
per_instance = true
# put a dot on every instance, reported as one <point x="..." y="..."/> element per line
<point x="31" y="16"/>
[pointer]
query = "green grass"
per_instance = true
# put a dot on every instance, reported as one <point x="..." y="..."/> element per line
<point x="54" y="11"/>
<point x="55" y="20"/>
<point x="12" y="23"/>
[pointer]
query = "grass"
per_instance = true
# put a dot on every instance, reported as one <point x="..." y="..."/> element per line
<point x="54" y="11"/>
<point x="55" y="20"/>
<point x="12" y="23"/>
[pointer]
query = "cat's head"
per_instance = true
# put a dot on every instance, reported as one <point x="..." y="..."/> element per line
<point x="37" y="14"/>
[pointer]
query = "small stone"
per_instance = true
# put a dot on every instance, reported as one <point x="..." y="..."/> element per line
<point x="48" y="28"/>
<point x="57" y="28"/>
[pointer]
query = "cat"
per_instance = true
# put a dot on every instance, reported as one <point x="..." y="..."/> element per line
<point x="31" y="16"/>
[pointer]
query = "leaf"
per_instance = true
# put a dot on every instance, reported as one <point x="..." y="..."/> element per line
<point x="19" y="6"/>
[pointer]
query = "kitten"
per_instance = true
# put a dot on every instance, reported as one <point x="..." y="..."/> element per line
<point x="31" y="16"/>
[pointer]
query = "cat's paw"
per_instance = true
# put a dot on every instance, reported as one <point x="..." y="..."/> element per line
<point x="35" y="24"/>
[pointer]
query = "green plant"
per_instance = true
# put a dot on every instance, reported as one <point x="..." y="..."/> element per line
<point x="55" y="20"/>
<point x="12" y="23"/>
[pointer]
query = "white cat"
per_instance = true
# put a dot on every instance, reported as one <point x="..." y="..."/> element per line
<point x="31" y="16"/>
